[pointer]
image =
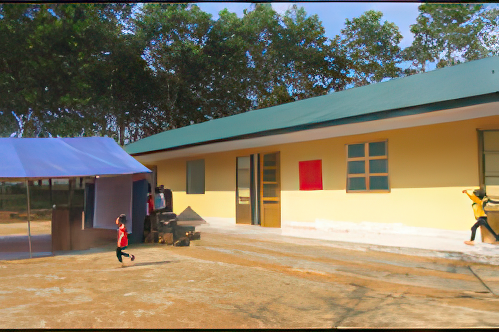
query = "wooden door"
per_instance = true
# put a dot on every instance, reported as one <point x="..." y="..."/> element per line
<point x="61" y="231"/>
<point x="270" y="193"/>
<point x="243" y="193"/>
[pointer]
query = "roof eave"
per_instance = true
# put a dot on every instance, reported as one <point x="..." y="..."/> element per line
<point x="385" y="114"/>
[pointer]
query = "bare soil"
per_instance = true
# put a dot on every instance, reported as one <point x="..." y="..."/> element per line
<point x="37" y="227"/>
<point x="246" y="281"/>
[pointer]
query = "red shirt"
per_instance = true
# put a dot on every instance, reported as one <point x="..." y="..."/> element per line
<point x="124" y="239"/>
<point x="150" y="203"/>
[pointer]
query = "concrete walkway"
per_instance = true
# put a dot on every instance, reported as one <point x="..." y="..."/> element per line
<point x="395" y="238"/>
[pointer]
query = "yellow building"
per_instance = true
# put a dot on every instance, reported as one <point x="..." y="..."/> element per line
<point x="399" y="152"/>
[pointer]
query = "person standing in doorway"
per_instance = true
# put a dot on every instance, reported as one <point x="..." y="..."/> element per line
<point x="122" y="239"/>
<point x="481" y="218"/>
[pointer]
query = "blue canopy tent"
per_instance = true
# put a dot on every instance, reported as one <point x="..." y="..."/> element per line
<point x="24" y="159"/>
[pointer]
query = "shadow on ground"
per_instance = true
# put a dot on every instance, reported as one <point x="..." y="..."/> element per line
<point x="151" y="263"/>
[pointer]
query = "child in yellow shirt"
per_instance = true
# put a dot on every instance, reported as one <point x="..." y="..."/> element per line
<point x="481" y="218"/>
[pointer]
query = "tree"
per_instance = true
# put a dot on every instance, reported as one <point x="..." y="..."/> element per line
<point x="16" y="25"/>
<point x="176" y="35"/>
<point x="209" y="69"/>
<point x="50" y="61"/>
<point x="291" y="57"/>
<point x="131" y="71"/>
<point x="452" y="33"/>
<point x="47" y="64"/>
<point x="227" y="78"/>
<point x="122" y="87"/>
<point x="371" y="48"/>
<point x="313" y="68"/>
<point x="8" y="124"/>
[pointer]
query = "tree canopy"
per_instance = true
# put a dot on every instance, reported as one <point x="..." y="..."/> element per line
<point x="133" y="70"/>
<point x="449" y="34"/>
<point x="372" y="48"/>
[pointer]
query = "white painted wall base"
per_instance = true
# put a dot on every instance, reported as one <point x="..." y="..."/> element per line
<point x="381" y="234"/>
<point x="370" y="227"/>
<point x="389" y="234"/>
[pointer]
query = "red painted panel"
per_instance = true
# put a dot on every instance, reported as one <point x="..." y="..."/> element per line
<point x="311" y="175"/>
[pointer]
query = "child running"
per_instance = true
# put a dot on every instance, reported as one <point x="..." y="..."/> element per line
<point x="481" y="218"/>
<point x="122" y="239"/>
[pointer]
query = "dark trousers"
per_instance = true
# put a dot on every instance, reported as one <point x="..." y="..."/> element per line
<point x="120" y="252"/>
<point x="482" y="221"/>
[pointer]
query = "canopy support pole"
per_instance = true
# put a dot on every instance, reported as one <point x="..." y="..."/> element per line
<point x="29" y="218"/>
<point x="50" y="190"/>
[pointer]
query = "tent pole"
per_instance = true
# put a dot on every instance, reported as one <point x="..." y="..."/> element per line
<point x="2" y="190"/>
<point x="2" y="185"/>
<point x="29" y="217"/>
<point x="50" y="190"/>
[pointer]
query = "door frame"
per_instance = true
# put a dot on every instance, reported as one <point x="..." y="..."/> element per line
<point x="244" y="221"/>
<point x="278" y="190"/>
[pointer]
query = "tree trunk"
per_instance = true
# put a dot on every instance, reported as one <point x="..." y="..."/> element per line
<point x="122" y="133"/>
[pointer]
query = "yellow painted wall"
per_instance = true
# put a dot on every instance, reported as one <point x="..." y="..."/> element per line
<point x="220" y="181"/>
<point x="428" y="168"/>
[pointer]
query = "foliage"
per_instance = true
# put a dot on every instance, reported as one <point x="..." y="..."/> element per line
<point x="129" y="71"/>
<point x="50" y="56"/>
<point x="372" y="48"/>
<point x="449" y="34"/>
<point x="176" y="35"/>
<point x="291" y="56"/>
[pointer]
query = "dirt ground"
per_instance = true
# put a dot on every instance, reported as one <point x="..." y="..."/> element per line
<point x="21" y="228"/>
<point x="247" y="281"/>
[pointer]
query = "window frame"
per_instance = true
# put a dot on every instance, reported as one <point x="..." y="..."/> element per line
<point x="367" y="174"/>
<point x="187" y="168"/>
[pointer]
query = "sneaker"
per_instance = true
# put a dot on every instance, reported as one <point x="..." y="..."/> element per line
<point x="470" y="243"/>
<point x="133" y="258"/>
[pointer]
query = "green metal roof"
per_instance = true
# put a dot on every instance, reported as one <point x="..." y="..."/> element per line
<point x="375" y="101"/>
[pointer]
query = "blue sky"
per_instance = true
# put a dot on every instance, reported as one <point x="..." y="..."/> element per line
<point x="334" y="14"/>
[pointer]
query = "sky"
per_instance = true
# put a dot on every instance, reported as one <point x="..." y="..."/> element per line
<point x="334" y="14"/>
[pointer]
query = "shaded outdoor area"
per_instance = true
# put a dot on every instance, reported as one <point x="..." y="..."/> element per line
<point x="44" y="194"/>
<point x="17" y="246"/>
<point x="247" y="280"/>
<point x="70" y="190"/>
<point x="14" y="240"/>
<point x="14" y="226"/>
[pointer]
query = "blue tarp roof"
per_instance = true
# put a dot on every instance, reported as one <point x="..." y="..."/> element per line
<point x="64" y="157"/>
